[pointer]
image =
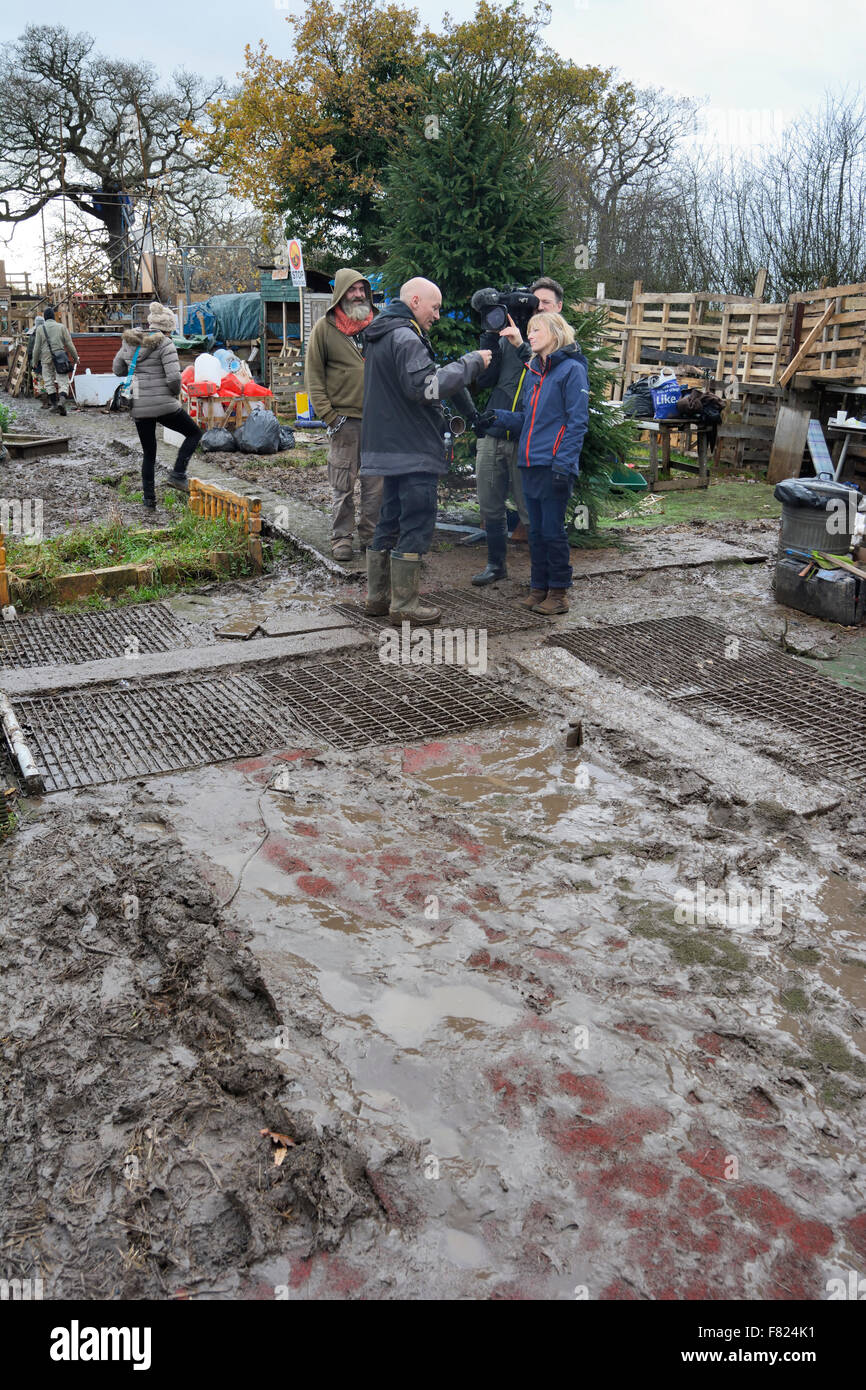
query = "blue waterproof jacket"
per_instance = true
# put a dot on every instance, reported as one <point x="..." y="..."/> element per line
<point x="552" y="414"/>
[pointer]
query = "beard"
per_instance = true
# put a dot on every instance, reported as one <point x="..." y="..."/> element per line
<point x="355" y="309"/>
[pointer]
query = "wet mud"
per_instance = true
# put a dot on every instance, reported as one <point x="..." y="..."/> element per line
<point x="455" y="984"/>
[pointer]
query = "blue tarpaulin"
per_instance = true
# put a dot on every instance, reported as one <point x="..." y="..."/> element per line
<point x="234" y="318"/>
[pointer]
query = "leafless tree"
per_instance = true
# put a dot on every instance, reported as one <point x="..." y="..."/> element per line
<point x="95" y="130"/>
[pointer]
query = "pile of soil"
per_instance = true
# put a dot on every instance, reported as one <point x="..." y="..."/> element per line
<point x="137" y="1078"/>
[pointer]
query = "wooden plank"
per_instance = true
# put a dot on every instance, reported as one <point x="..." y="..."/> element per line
<point x="803" y="349"/>
<point x="789" y="441"/>
<point x="760" y="282"/>
<point x="679" y="484"/>
<point x="804" y="296"/>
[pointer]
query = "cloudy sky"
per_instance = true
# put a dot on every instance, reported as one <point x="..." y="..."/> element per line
<point x="757" y="63"/>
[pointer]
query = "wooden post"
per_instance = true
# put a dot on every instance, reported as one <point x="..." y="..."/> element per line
<point x="254" y="522"/>
<point x="760" y="283"/>
<point x="5" y="598"/>
<point x="789" y="441"/>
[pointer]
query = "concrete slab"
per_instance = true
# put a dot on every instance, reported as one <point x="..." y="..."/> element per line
<point x="663" y="552"/>
<point x="281" y="623"/>
<point x="743" y="775"/>
<point x="43" y="680"/>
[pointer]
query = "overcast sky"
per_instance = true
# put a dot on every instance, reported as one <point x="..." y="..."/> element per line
<point x="756" y="62"/>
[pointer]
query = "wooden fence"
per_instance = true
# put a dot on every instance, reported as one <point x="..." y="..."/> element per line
<point x="817" y="336"/>
<point x="210" y="500"/>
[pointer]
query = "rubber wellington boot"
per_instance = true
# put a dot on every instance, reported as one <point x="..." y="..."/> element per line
<point x="54" y="408"/>
<point x="533" y="598"/>
<point x="378" y="583"/>
<point x="556" y="602"/>
<point x="496" y="543"/>
<point x="44" y="401"/>
<point x="61" y="404"/>
<point x="405" y="581"/>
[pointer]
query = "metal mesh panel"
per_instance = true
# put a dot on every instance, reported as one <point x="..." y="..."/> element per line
<point x="459" y="609"/>
<point x="808" y="721"/>
<point x="67" y="640"/>
<point x="351" y="703"/>
<point x="86" y="738"/>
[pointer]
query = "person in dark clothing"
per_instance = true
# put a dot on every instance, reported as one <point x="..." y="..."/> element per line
<point x="155" y="396"/>
<point x="402" y="441"/>
<point x="496" y="469"/>
<point x="552" y="417"/>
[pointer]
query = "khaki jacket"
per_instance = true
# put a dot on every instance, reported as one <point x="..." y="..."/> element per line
<point x="333" y="365"/>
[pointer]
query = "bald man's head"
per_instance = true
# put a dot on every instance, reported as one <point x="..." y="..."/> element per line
<point x="424" y="299"/>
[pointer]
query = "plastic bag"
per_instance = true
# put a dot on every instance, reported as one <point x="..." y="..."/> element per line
<point x="253" y="388"/>
<point x="638" y="401"/>
<point x="260" y="434"/>
<point x="287" y="438"/>
<point x="187" y="376"/>
<point x="797" y="492"/>
<point x="218" y="442"/>
<point x="666" y="391"/>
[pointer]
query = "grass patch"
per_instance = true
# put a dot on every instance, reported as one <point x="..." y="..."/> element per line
<point x="831" y="1052"/>
<point x="804" y="955"/>
<point x="734" y="500"/>
<point x="188" y="548"/>
<point x="794" y="1001"/>
<point x="691" y="947"/>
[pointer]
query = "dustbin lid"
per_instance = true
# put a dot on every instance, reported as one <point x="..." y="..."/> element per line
<point x="810" y="492"/>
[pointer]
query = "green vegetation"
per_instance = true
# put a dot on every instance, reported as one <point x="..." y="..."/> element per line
<point x="794" y="1001"/>
<point x="187" y="546"/>
<point x="734" y="500"/>
<point x="7" y="415"/>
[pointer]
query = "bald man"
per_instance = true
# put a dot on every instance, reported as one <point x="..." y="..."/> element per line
<point x="401" y="441"/>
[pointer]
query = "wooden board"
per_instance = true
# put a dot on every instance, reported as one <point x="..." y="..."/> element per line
<point x="789" y="441"/>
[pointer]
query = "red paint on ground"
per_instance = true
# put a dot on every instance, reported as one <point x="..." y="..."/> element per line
<point x="591" y="1091"/>
<point x="428" y="755"/>
<point x="251" y="764"/>
<point x="710" y="1042"/>
<point x="316" y="887"/>
<point x="279" y="851"/>
<point x="640" y="1030"/>
<point x="855" y="1229"/>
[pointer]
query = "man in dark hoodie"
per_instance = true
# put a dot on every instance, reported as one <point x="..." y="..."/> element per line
<point x="334" y="379"/>
<point x="402" y="442"/>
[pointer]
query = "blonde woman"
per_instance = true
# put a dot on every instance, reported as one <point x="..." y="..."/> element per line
<point x="552" y="416"/>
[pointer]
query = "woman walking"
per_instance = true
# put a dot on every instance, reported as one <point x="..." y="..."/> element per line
<point x="155" y="396"/>
<point x="552" y="416"/>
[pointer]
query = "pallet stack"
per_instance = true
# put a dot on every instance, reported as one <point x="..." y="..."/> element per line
<point x="286" y="377"/>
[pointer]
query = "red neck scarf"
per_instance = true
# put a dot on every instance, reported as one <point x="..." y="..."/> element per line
<point x="350" y="326"/>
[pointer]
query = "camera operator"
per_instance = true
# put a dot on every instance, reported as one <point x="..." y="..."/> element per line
<point x="496" y="470"/>
<point x="402" y="429"/>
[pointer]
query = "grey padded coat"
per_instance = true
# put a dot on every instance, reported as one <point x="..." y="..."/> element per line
<point x="156" y="383"/>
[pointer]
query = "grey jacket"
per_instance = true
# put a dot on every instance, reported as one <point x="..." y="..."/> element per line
<point x="402" y="421"/>
<point x="156" y="382"/>
<point x="52" y="336"/>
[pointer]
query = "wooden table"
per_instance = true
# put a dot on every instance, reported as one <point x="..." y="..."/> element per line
<point x="846" y="433"/>
<point x="663" y="429"/>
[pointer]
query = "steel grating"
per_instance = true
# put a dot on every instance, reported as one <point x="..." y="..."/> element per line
<point x="357" y="701"/>
<point x="87" y="738"/>
<point x="806" y="720"/>
<point x="459" y="609"/>
<point x="68" y="640"/>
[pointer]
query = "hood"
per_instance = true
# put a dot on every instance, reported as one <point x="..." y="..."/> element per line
<point x="394" y="315"/>
<point x="342" y="280"/>
<point x="143" y="338"/>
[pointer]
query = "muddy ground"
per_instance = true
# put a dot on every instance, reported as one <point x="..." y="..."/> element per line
<point x="453" y="974"/>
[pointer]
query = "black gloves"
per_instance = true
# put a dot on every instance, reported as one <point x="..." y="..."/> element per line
<point x="562" y="484"/>
<point x="483" y="423"/>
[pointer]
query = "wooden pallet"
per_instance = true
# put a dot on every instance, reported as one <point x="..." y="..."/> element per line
<point x="211" y="500"/>
<point x="16" y="377"/>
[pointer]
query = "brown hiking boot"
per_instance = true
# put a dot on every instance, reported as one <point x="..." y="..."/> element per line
<point x="520" y="534"/>
<point x="534" y="597"/>
<point x="556" y="602"/>
<point x="342" y="549"/>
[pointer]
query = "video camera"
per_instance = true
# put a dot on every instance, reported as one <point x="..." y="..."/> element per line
<point x="494" y="307"/>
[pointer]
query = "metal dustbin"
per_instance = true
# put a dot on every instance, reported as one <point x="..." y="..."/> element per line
<point x="815" y="515"/>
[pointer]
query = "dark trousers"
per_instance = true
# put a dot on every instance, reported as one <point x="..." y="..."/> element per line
<point x="549" y="554"/>
<point x="177" y="420"/>
<point x="408" y="516"/>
